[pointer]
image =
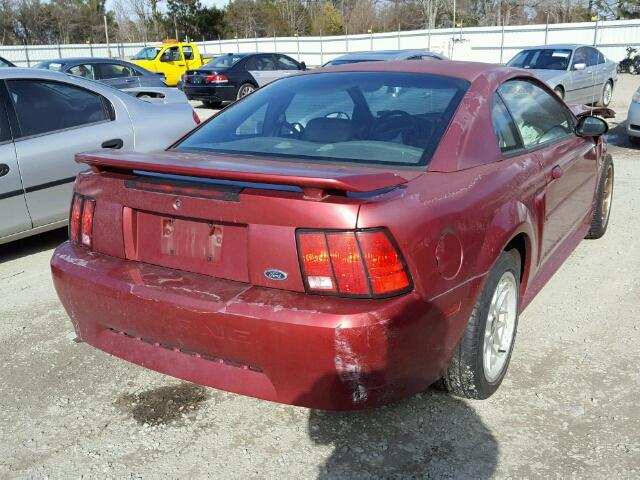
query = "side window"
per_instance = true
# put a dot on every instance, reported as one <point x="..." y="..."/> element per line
<point x="114" y="70"/>
<point x="286" y="63"/>
<point x="44" y="106"/>
<point x="592" y="57"/>
<point x="538" y="115"/>
<point x="260" y="62"/>
<point x="503" y="125"/>
<point x="601" y="59"/>
<point x="580" y="56"/>
<point x="5" y="133"/>
<point x="187" y="52"/>
<point x="86" y="71"/>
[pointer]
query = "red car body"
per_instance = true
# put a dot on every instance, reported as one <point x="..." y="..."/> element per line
<point x="224" y="324"/>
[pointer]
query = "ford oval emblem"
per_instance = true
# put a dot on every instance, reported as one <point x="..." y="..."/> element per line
<point x="273" y="274"/>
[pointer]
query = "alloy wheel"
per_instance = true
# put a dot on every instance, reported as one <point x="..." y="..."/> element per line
<point x="500" y="326"/>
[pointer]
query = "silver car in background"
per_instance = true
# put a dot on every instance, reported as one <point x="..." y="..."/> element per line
<point x="48" y="117"/>
<point x="577" y="73"/>
<point x="381" y="55"/>
<point x="115" y="73"/>
<point x="633" y="119"/>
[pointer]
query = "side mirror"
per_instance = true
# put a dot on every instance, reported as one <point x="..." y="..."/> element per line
<point x="579" y="66"/>
<point x="591" y="127"/>
<point x="303" y="65"/>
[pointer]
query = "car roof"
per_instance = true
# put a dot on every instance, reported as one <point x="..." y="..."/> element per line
<point x="385" y="54"/>
<point x="469" y="71"/>
<point x="567" y="46"/>
<point x="68" y="60"/>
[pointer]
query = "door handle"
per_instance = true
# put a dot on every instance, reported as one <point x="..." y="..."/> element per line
<point x="556" y="172"/>
<point x="4" y="169"/>
<point x="114" y="143"/>
<point x="181" y="64"/>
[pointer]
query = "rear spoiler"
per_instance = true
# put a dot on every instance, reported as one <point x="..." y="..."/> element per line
<point x="316" y="181"/>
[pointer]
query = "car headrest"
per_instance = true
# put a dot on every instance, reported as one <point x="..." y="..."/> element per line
<point x="328" y="130"/>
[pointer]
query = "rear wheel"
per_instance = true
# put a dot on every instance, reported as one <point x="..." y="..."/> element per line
<point x="604" y="195"/>
<point x="607" y="93"/>
<point x="483" y="354"/>
<point x="244" y="90"/>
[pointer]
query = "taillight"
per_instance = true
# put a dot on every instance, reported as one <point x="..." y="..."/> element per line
<point x="216" y="78"/>
<point x="196" y="118"/>
<point x="185" y="78"/>
<point x="81" y="220"/>
<point x="362" y="263"/>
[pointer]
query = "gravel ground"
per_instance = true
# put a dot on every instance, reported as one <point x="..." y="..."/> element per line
<point x="568" y="407"/>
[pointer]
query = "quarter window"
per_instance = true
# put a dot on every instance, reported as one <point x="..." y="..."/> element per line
<point x="503" y="125"/>
<point x="539" y="117"/>
<point x="46" y="106"/>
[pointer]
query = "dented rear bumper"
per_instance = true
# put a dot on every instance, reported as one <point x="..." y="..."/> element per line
<point x="289" y="347"/>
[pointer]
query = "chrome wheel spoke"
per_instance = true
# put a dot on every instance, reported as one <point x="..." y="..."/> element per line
<point x="500" y="326"/>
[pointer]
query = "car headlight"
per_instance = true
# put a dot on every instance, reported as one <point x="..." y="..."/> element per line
<point x="636" y="97"/>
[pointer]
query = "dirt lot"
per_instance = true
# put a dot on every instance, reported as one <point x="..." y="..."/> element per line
<point x="569" y="407"/>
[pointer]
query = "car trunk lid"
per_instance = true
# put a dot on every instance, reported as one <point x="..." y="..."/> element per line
<point x="222" y="216"/>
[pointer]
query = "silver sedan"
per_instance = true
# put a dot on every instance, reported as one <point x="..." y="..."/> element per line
<point x="48" y="117"/>
<point x="577" y="73"/>
<point x="633" y="118"/>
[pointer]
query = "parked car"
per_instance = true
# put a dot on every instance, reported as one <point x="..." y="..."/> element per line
<point x="47" y="117"/>
<point x="5" y="63"/>
<point x="172" y="59"/>
<point x="413" y="54"/>
<point x="117" y="73"/>
<point x="577" y="73"/>
<point x="233" y="76"/>
<point x="633" y="118"/>
<point x="630" y="63"/>
<point x="328" y="243"/>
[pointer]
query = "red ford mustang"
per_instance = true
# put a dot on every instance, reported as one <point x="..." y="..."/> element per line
<point x="339" y="239"/>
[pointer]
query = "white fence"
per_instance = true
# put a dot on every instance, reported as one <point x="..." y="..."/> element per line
<point x="484" y="44"/>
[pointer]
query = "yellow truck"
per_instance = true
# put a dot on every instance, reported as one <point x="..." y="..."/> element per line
<point x="172" y="58"/>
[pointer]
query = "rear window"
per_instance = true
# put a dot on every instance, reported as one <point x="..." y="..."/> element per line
<point x="224" y="62"/>
<point x="377" y="118"/>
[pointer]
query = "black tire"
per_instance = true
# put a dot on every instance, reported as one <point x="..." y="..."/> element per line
<point x="635" y="141"/>
<point x="465" y="375"/>
<point x="212" y="104"/>
<point x="604" y="102"/>
<point x="245" y="89"/>
<point x="559" y="91"/>
<point x="604" y="196"/>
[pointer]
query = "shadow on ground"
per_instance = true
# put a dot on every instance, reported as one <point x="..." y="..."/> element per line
<point x="431" y="435"/>
<point x="31" y="245"/>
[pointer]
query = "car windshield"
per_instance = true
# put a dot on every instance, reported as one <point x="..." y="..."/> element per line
<point x="147" y="53"/>
<point x="54" y="66"/>
<point x="364" y="117"/>
<point x="542" y="58"/>
<point x="225" y="61"/>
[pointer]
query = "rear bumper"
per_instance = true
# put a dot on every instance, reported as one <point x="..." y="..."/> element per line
<point x="212" y="93"/>
<point x="313" y="351"/>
